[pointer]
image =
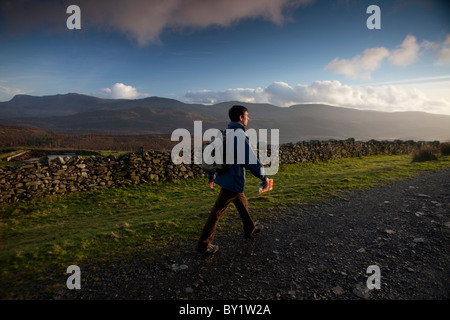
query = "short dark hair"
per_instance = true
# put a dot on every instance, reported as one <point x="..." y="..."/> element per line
<point x="236" y="111"/>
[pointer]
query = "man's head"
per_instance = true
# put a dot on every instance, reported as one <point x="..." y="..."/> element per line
<point x="239" y="114"/>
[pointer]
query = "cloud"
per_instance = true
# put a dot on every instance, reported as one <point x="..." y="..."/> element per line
<point x="237" y="94"/>
<point x="382" y="98"/>
<point x="442" y="51"/>
<point x="7" y="93"/>
<point x="361" y="66"/>
<point x="121" y="91"/>
<point x="145" y="20"/>
<point x="407" y="53"/>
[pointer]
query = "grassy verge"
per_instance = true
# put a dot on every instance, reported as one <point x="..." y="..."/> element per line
<point x="102" y="226"/>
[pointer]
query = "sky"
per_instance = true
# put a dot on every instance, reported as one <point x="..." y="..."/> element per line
<point x="282" y="52"/>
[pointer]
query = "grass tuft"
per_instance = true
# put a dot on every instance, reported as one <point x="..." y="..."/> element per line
<point x="445" y="149"/>
<point x="425" y="153"/>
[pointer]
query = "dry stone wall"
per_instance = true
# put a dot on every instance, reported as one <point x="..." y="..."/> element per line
<point x="72" y="174"/>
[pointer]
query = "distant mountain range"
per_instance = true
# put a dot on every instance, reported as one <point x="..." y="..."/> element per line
<point x="81" y="114"/>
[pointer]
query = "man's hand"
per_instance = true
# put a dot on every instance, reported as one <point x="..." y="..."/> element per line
<point x="266" y="183"/>
<point x="211" y="183"/>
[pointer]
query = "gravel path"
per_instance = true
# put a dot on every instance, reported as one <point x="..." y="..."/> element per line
<point x="322" y="253"/>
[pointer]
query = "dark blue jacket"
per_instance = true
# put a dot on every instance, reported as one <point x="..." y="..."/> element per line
<point x="234" y="178"/>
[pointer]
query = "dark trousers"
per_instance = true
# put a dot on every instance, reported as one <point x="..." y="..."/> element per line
<point x="218" y="211"/>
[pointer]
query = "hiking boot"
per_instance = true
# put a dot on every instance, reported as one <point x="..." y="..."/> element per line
<point x="210" y="250"/>
<point x="258" y="228"/>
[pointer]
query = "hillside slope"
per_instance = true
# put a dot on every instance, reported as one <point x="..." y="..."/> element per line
<point x="79" y="114"/>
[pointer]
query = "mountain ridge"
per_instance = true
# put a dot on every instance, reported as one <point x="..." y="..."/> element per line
<point x="74" y="113"/>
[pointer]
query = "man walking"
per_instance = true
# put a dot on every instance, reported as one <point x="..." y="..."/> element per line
<point x="232" y="184"/>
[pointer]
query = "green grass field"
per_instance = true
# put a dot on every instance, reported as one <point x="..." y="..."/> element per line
<point x="102" y="226"/>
